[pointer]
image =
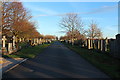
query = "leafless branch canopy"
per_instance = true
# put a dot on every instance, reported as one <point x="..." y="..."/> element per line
<point x="94" y="31"/>
<point x="71" y="22"/>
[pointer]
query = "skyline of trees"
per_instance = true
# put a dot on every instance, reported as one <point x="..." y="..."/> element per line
<point x="94" y="31"/>
<point x="16" y="20"/>
<point x="73" y="26"/>
<point x="75" y="31"/>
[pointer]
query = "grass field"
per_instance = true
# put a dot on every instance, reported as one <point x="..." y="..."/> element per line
<point x="104" y="62"/>
<point x="29" y="52"/>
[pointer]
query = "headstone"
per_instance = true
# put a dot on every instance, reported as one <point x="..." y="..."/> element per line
<point x="118" y="45"/>
<point x="14" y="38"/>
<point x="4" y="49"/>
<point x="86" y="43"/>
<point x="10" y="48"/>
<point x="40" y="41"/>
<point x="106" y="44"/>
<point x="3" y="40"/>
<point x="34" y="41"/>
<point x="20" y="39"/>
<point x="37" y="40"/>
<point x="66" y="41"/>
<point x="98" y="47"/>
<point x="101" y="44"/>
<point x="94" y="47"/>
<point x="89" y="44"/>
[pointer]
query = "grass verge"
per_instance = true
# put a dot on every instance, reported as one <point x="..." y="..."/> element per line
<point x="29" y="52"/>
<point x="104" y="62"/>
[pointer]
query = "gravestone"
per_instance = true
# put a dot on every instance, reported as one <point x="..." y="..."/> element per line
<point x="94" y="47"/>
<point x="4" y="49"/>
<point x="66" y="41"/>
<point x="16" y="40"/>
<point x="89" y="46"/>
<point x="106" y="44"/>
<point x="10" y="45"/>
<point x="37" y="40"/>
<point x="98" y="47"/>
<point x="20" y="39"/>
<point x="91" y="43"/>
<point x="23" y="39"/>
<point x="40" y="41"/>
<point x="118" y="45"/>
<point x="3" y="40"/>
<point x="28" y="39"/>
<point x="101" y="44"/>
<point x="86" y="43"/>
<point x="10" y="48"/>
<point x="14" y="45"/>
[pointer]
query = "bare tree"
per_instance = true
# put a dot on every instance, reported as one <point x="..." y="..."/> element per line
<point x="94" y="31"/>
<point x="72" y="22"/>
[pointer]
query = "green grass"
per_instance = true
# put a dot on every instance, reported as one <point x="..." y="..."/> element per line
<point x="29" y="52"/>
<point x="22" y="44"/>
<point x="104" y="62"/>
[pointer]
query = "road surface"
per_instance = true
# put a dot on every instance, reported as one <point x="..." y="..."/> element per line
<point x="56" y="61"/>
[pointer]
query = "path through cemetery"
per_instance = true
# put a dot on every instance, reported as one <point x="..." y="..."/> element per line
<point x="56" y="61"/>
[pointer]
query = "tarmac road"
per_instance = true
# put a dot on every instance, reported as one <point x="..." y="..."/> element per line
<point x="56" y="61"/>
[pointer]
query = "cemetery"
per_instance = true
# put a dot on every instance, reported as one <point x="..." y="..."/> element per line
<point x="106" y="56"/>
<point x="110" y="46"/>
<point x="50" y="41"/>
<point x="13" y="44"/>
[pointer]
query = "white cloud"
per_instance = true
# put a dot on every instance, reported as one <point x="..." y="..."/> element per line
<point x="49" y="12"/>
<point x="46" y="11"/>
<point x="103" y="9"/>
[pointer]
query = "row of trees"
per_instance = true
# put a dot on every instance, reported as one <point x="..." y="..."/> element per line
<point x="17" y="21"/>
<point x="74" y="28"/>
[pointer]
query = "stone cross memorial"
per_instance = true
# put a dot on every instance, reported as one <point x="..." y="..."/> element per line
<point x="3" y="39"/>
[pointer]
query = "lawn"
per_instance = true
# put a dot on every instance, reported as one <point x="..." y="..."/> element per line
<point x="104" y="62"/>
<point x="29" y="52"/>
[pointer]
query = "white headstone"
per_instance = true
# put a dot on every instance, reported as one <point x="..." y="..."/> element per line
<point x="20" y="39"/>
<point x="37" y="40"/>
<point x="14" y="38"/>
<point x="101" y="45"/>
<point x="85" y="42"/>
<point x="91" y="43"/>
<point x="40" y="41"/>
<point x="34" y="41"/>
<point x="10" y="48"/>
<point x="23" y="39"/>
<point x="4" y="39"/>
<point x="98" y="44"/>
